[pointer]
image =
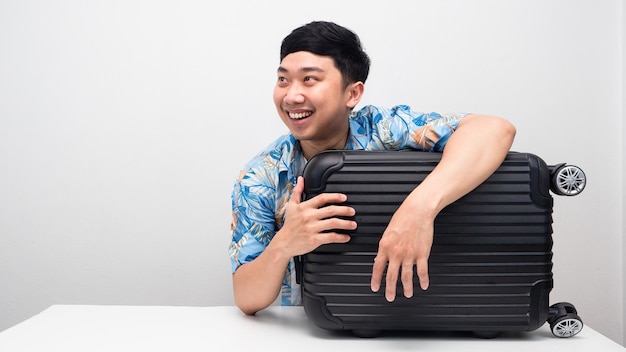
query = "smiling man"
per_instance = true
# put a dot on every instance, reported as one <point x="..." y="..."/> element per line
<point x="320" y="80"/>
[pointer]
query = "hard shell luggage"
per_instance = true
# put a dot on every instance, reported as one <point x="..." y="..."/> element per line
<point x="491" y="261"/>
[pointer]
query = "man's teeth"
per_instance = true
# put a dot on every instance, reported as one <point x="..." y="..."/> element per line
<point x="300" y="115"/>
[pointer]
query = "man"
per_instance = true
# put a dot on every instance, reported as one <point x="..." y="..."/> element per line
<point x="321" y="79"/>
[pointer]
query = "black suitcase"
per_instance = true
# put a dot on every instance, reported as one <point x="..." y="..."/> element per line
<point x="491" y="261"/>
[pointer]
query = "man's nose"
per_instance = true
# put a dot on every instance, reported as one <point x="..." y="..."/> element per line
<point x="295" y="94"/>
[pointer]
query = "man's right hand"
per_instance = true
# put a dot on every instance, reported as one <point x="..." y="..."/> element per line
<point x="314" y="222"/>
<point x="308" y="225"/>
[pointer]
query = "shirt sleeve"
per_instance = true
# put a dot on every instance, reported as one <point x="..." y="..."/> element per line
<point x="400" y="127"/>
<point x="423" y="131"/>
<point x="253" y="223"/>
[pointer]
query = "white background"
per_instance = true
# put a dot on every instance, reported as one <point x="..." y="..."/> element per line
<point x="124" y="123"/>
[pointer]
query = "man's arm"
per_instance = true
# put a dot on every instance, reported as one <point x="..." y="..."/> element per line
<point x="257" y="284"/>
<point x="473" y="152"/>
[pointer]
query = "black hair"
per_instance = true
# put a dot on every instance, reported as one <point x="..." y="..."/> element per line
<point x="330" y="39"/>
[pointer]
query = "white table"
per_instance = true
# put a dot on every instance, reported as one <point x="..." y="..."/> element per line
<point x="85" y="328"/>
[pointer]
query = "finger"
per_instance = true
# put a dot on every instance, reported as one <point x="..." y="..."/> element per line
<point x="377" y="272"/>
<point x="324" y="199"/>
<point x="407" y="279"/>
<point x="331" y="224"/>
<point x="334" y="237"/>
<point x="391" y="280"/>
<point x="333" y="211"/>
<point x="422" y="273"/>
<point x="296" y="195"/>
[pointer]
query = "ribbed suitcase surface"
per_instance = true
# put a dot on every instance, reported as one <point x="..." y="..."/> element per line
<point x="490" y="265"/>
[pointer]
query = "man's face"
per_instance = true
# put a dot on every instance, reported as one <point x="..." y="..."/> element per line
<point x="312" y="102"/>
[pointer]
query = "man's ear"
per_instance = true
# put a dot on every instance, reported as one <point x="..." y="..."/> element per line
<point x="354" y="93"/>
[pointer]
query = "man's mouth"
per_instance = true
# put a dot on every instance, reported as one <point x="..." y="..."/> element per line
<point x="299" y="115"/>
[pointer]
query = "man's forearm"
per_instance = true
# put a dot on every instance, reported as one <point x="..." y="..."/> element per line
<point x="473" y="152"/>
<point x="257" y="284"/>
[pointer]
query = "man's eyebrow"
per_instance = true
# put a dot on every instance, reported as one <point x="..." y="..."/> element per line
<point x="305" y="69"/>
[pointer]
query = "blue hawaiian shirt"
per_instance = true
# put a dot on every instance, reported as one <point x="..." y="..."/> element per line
<point x="263" y="187"/>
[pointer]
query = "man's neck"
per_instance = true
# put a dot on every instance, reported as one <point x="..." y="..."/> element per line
<point x="309" y="148"/>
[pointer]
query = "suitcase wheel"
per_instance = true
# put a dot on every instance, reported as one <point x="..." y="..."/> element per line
<point x="567" y="180"/>
<point x="564" y="320"/>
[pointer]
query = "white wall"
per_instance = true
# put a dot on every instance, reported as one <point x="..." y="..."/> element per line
<point x="124" y="123"/>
